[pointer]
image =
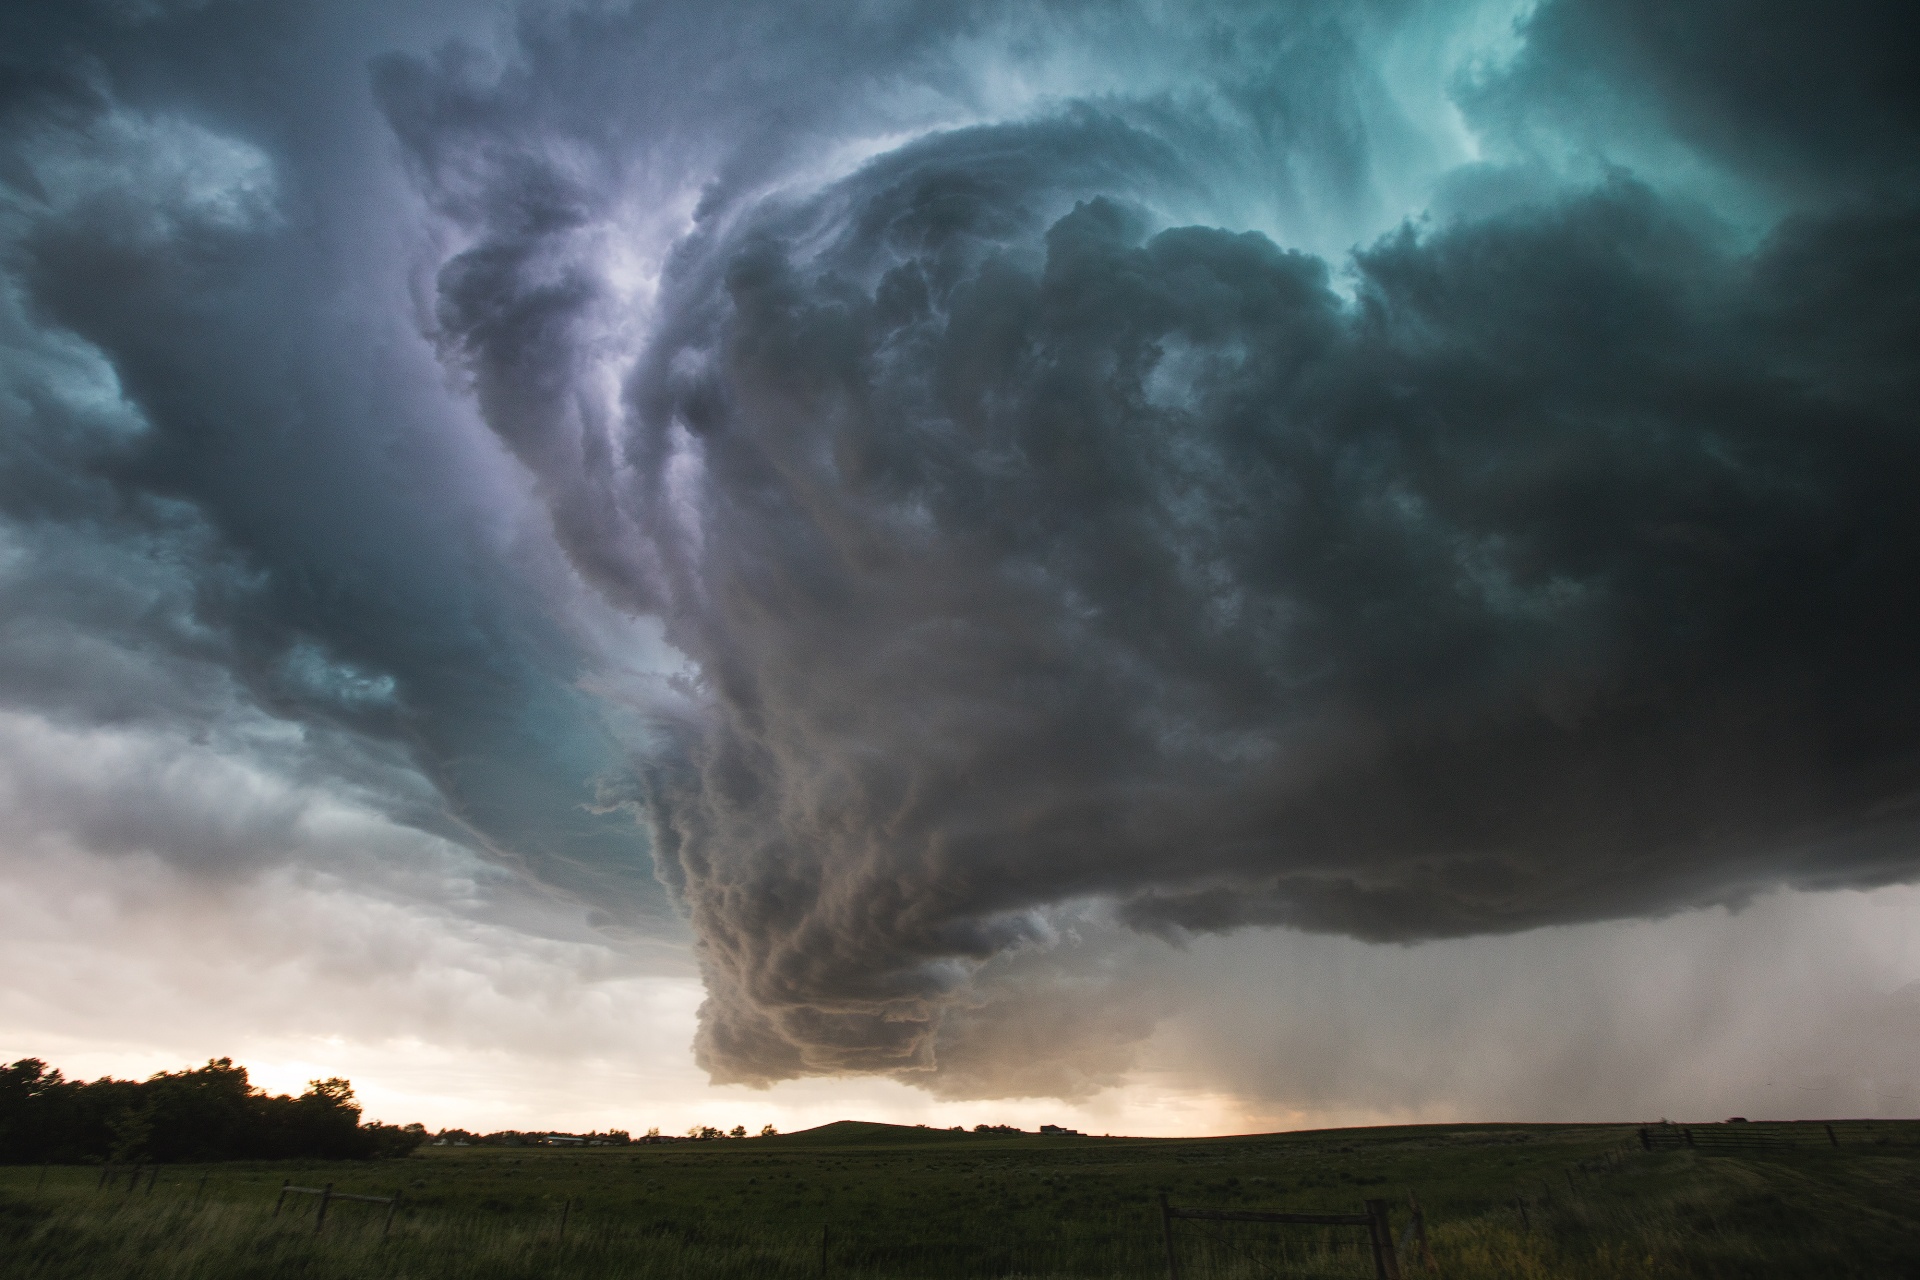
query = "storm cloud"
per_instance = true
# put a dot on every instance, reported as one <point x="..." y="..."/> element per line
<point x="240" y="507"/>
<point x="1558" y="573"/>
<point x="964" y="480"/>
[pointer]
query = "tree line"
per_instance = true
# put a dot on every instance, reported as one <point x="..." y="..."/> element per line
<point x="204" y="1113"/>
<point x="528" y="1138"/>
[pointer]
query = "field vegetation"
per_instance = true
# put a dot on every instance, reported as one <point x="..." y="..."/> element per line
<point x="877" y="1201"/>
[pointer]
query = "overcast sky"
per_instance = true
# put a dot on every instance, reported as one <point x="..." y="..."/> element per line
<point x="1168" y="568"/>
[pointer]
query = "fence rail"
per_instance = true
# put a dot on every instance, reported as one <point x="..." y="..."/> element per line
<point x="846" y="1247"/>
<point x="328" y="1195"/>
<point x="110" y="1171"/>
<point x="1722" y="1137"/>
<point x="1386" y="1263"/>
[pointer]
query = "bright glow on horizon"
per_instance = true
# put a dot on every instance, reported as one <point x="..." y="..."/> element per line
<point x="119" y="967"/>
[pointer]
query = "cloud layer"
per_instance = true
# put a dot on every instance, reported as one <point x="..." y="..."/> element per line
<point x="1557" y="575"/>
<point x="964" y="480"/>
<point x="1538" y="565"/>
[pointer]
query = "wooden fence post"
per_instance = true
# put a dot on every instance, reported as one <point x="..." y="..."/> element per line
<point x="320" y="1219"/>
<point x="566" y="1207"/>
<point x="1166" y="1235"/>
<point x="1526" y="1223"/>
<point x="1646" y="1140"/>
<point x="1386" y="1263"/>
<point x="392" y="1205"/>
<point x="1688" y="1134"/>
<point x="1830" y="1138"/>
<point x="1419" y="1224"/>
<point x="106" y="1171"/>
<point x="284" y="1184"/>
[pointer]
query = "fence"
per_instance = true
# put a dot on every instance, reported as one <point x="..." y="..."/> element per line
<point x="1191" y="1240"/>
<point x="328" y="1195"/>
<point x="841" y="1250"/>
<point x="109" y="1173"/>
<point x="1735" y="1137"/>
<point x="1375" y="1219"/>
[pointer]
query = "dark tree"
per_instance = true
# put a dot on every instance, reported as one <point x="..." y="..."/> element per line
<point x="204" y="1113"/>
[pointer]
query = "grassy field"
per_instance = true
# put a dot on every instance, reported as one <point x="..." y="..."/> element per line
<point x="1500" y="1200"/>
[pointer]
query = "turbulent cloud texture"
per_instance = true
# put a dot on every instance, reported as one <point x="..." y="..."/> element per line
<point x="238" y="509"/>
<point x="1405" y="471"/>
<point x="1559" y="573"/>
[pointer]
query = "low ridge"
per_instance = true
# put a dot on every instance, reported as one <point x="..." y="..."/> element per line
<point x="866" y="1133"/>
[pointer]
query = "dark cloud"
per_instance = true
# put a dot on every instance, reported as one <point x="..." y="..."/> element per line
<point x="1047" y="547"/>
<point x="238" y="491"/>
<point x="1819" y="100"/>
<point x="1556" y="575"/>
<point x="1539" y="566"/>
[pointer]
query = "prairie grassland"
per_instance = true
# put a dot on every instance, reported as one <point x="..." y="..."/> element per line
<point x="1508" y="1201"/>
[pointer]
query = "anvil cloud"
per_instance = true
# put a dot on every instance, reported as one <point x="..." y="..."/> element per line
<point x="950" y="490"/>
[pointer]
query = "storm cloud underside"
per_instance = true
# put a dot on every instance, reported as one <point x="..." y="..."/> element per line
<point x="974" y="481"/>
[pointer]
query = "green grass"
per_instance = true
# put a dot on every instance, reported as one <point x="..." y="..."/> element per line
<point x="924" y="1203"/>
